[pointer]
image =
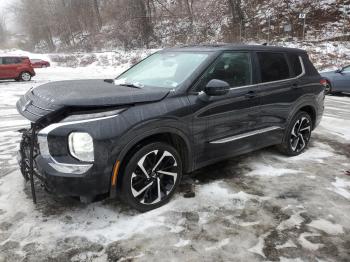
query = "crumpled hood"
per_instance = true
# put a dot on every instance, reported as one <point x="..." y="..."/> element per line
<point x="51" y="97"/>
<point x="95" y="93"/>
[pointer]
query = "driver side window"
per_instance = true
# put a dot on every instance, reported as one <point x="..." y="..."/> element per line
<point x="231" y="67"/>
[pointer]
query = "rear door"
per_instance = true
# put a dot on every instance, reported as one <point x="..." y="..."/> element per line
<point x="279" y="88"/>
<point x="221" y="122"/>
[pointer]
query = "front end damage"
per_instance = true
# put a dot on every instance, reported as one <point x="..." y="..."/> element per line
<point x="28" y="151"/>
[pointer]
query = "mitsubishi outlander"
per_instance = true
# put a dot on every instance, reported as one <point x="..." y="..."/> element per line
<point x="178" y="110"/>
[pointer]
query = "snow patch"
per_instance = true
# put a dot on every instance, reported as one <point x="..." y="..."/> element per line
<point x="337" y="126"/>
<point x="258" y="248"/>
<point x="293" y="222"/>
<point x="318" y="152"/>
<point x="261" y="169"/>
<point x="219" y="245"/>
<point x="288" y="244"/>
<point x="327" y="227"/>
<point x="306" y="243"/>
<point x="340" y="186"/>
<point x="182" y="243"/>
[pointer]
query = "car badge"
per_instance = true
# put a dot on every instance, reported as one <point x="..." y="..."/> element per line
<point x="25" y="107"/>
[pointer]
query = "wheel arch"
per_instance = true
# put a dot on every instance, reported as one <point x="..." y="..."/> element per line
<point x="311" y="111"/>
<point x="169" y="135"/>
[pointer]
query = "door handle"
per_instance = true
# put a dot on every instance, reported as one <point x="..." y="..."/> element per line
<point x="250" y="94"/>
<point x="295" y="85"/>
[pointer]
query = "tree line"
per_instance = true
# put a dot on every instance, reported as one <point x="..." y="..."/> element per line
<point x="91" y="24"/>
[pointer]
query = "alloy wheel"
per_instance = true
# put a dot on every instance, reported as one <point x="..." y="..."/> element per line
<point x="327" y="89"/>
<point x="25" y="76"/>
<point x="300" y="134"/>
<point x="154" y="177"/>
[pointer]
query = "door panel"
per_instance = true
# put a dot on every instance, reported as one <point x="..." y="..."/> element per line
<point x="282" y="86"/>
<point x="227" y="116"/>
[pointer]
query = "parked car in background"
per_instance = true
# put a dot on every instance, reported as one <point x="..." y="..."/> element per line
<point x="39" y="63"/>
<point x="338" y="81"/>
<point x="176" y="111"/>
<point x="16" y="67"/>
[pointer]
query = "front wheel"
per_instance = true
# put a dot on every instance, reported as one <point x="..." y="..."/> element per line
<point x="151" y="176"/>
<point x="298" y="134"/>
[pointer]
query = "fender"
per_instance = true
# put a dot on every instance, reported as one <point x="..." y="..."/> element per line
<point x="144" y="132"/>
<point x="306" y="100"/>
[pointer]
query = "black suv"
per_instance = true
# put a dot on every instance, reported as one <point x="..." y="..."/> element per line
<point x="176" y="111"/>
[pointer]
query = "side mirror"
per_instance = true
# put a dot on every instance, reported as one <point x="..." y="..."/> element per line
<point x="217" y="87"/>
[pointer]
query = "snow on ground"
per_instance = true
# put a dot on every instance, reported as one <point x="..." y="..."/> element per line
<point x="260" y="206"/>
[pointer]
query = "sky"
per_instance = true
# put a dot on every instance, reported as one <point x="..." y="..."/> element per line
<point x="9" y="18"/>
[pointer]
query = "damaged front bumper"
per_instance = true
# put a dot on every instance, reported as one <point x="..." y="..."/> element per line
<point x="62" y="179"/>
<point x="28" y="151"/>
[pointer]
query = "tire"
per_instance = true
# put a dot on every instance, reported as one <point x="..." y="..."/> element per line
<point x="298" y="134"/>
<point x="151" y="176"/>
<point x="25" y="76"/>
<point x="328" y="88"/>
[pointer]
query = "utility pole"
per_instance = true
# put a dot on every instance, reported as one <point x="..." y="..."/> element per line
<point x="303" y="16"/>
<point x="240" y="32"/>
<point x="344" y="20"/>
<point x="268" y="32"/>
<point x="304" y="28"/>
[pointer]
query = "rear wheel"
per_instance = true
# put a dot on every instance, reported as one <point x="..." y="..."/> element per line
<point x="328" y="88"/>
<point x="151" y="176"/>
<point x="25" y="76"/>
<point x="298" y="134"/>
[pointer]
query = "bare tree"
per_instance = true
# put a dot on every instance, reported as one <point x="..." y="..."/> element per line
<point x="3" y="32"/>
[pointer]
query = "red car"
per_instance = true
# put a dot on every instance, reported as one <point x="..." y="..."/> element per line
<point x="16" y="67"/>
<point x="38" y="63"/>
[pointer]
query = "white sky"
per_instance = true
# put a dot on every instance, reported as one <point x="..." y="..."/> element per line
<point x="4" y="4"/>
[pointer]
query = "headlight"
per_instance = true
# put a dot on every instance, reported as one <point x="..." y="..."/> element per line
<point x="87" y="116"/>
<point x="81" y="146"/>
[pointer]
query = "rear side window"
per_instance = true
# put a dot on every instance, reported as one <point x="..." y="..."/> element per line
<point x="0" y="60"/>
<point x="295" y="64"/>
<point x="11" y="60"/>
<point x="273" y="66"/>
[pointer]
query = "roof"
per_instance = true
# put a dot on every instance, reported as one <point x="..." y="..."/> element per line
<point x="15" y="56"/>
<point x="231" y="47"/>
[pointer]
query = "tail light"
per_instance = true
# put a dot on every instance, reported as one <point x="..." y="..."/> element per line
<point x="323" y="82"/>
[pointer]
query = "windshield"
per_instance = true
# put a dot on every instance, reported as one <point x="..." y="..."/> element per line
<point x="165" y="69"/>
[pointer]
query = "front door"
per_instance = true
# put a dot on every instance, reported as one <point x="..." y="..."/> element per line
<point x="220" y="123"/>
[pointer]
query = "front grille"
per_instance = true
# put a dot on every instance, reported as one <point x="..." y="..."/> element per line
<point x="35" y="108"/>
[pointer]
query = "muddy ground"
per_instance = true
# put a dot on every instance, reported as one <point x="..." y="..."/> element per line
<point x="261" y="206"/>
